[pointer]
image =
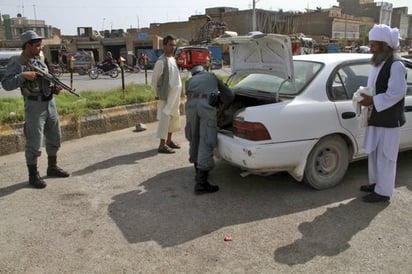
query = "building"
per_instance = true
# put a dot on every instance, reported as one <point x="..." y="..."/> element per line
<point x="400" y="19"/>
<point x="14" y="27"/>
<point x="333" y="25"/>
<point x="348" y="24"/>
<point x="381" y="12"/>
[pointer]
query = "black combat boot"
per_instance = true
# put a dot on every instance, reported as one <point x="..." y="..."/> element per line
<point x="53" y="170"/>
<point x="196" y="172"/>
<point x="34" y="177"/>
<point x="202" y="185"/>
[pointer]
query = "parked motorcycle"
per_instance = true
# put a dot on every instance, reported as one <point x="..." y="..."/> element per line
<point x="97" y="70"/>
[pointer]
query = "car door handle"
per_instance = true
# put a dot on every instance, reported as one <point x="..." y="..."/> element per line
<point x="348" y="115"/>
<point x="408" y="108"/>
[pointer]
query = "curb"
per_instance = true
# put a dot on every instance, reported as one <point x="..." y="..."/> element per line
<point x="12" y="138"/>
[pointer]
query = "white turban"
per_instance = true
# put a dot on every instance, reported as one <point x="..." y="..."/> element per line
<point x="384" y="33"/>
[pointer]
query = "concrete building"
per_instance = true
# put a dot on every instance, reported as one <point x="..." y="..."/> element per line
<point x="400" y="19"/>
<point x="347" y="24"/>
<point x="333" y="25"/>
<point x="14" y="27"/>
<point x="381" y="12"/>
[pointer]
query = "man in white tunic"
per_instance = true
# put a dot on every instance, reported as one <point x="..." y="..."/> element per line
<point x="168" y="86"/>
<point x="387" y="79"/>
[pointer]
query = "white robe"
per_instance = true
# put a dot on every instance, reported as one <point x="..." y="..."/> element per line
<point x="168" y="112"/>
<point x="382" y="144"/>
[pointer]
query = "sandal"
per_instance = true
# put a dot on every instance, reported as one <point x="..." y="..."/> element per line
<point x="165" y="149"/>
<point x="173" y="145"/>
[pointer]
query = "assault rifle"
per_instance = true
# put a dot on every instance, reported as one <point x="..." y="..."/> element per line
<point x="53" y="79"/>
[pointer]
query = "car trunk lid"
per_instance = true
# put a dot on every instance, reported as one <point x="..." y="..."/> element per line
<point x="260" y="53"/>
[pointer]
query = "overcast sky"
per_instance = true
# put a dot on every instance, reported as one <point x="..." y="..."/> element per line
<point x="122" y="14"/>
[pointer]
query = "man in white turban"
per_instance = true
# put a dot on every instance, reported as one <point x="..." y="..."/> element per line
<point x="387" y="79"/>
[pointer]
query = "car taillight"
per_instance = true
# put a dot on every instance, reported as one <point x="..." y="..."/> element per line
<point x="250" y="130"/>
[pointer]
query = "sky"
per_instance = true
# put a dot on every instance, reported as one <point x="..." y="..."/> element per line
<point x="122" y="14"/>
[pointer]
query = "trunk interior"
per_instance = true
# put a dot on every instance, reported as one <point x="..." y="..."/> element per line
<point x="225" y="117"/>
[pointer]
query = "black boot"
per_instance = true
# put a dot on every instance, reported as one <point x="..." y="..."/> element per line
<point x="34" y="177"/>
<point x="202" y="185"/>
<point x="53" y="170"/>
<point x="196" y="172"/>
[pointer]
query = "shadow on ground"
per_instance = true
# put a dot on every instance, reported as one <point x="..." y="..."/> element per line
<point x="168" y="212"/>
<point x="128" y="159"/>
<point x="329" y="234"/>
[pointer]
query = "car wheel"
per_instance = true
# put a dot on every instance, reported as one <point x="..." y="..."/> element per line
<point x="327" y="163"/>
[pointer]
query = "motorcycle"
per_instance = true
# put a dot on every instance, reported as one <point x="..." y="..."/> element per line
<point x="97" y="70"/>
<point x="129" y="68"/>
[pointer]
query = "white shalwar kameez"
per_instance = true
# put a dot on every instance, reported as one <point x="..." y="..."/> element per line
<point x="382" y="144"/>
<point x="168" y="112"/>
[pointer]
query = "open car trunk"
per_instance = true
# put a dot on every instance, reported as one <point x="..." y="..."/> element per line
<point x="242" y="101"/>
<point x="259" y="53"/>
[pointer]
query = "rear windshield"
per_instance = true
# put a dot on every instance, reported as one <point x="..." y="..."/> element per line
<point x="304" y="71"/>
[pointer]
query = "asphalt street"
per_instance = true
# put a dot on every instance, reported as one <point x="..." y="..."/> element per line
<point x="128" y="209"/>
<point x="83" y="82"/>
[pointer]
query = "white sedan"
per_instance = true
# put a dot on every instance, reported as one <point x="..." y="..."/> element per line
<point x="306" y="126"/>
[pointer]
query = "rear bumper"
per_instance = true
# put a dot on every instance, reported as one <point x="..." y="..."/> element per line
<point x="263" y="158"/>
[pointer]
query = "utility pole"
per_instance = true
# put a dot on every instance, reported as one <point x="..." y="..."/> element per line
<point x="34" y="11"/>
<point x="254" y="15"/>
<point x="35" y="15"/>
<point x="346" y="29"/>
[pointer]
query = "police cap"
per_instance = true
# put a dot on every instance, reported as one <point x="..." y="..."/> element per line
<point x="28" y="36"/>
<point x="197" y="69"/>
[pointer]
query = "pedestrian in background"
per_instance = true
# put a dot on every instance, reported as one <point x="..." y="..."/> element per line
<point x="203" y="91"/>
<point x="387" y="80"/>
<point x="41" y="118"/>
<point x="168" y="86"/>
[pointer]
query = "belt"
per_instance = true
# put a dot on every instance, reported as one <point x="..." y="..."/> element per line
<point x="40" y="98"/>
<point x="198" y="95"/>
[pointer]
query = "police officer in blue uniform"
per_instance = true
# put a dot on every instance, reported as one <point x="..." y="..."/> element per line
<point x="204" y="93"/>
<point x="41" y="118"/>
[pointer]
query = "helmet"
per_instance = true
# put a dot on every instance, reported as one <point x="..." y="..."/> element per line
<point x="197" y="69"/>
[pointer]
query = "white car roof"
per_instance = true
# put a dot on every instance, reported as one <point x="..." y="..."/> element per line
<point x="332" y="57"/>
<point x="6" y="54"/>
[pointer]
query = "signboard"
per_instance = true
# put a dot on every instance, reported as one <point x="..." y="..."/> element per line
<point x="142" y="36"/>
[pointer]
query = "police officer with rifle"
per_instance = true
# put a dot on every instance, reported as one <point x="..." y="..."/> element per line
<point x="38" y="88"/>
<point x="205" y="92"/>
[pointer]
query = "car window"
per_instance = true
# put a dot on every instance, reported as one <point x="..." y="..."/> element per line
<point x="347" y="79"/>
<point x="305" y="71"/>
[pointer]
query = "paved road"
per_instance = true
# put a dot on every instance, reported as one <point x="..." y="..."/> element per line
<point x="127" y="209"/>
<point x="83" y="82"/>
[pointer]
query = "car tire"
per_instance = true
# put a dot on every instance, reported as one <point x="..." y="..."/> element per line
<point x="327" y="163"/>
